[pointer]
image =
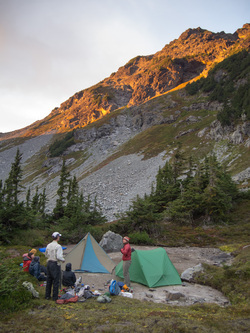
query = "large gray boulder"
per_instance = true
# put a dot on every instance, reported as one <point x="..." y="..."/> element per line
<point x="111" y="242"/>
<point x="188" y="274"/>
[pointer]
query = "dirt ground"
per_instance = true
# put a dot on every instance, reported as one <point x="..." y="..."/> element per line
<point x="182" y="258"/>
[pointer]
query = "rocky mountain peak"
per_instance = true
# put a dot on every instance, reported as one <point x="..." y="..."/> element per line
<point x="142" y="78"/>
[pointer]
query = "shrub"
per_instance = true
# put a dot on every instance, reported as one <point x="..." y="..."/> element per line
<point x="33" y="237"/>
<point x="13" y="296"/>
<point x="140" y="238"/>
<point x="59" y="146"/>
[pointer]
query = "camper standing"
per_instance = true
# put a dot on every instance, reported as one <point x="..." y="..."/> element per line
<point x="54" y="253"/>
<point x="126" y="257"/>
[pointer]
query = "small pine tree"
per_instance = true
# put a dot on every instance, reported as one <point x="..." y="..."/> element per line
<point x="28" y="199"/>
<point x="63" y="184"/>
<point x="13" y="182"/>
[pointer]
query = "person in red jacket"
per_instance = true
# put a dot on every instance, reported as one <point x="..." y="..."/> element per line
<point x="27" y="261"/>
<point x="126" y="257"/>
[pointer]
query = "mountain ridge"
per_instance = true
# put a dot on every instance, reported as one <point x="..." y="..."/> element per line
<point x="143" y="77"/>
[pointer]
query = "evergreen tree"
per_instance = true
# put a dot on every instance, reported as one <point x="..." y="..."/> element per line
<point x="62" y="191"/>
<point x="94" y="213"/>
<point x="28" y="199"/>
<point x="178" y="162"/>
<point x="13" y="212"/>
<point x="13" y="182"/>
<point x="220" y="192"/>
<point x="208" y="196"/>
<point x="1" y="194"/>
<point x="35" y="201"/>
<point x="42" y="202"/>
<point x="167" y="187"/>
<point x="141" y="216"/>
<point x="72" y="198"/>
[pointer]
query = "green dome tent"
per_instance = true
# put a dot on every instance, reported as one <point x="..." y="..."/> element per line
<point x="152" y="268"/>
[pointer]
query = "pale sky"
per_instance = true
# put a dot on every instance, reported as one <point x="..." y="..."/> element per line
<point x="51" y="49"/>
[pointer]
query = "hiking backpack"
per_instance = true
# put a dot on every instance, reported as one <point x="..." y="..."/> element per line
<point x="114" y="288"/>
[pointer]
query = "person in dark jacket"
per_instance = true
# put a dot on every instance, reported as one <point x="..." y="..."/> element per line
<point x="69" y="277"/>
<point x="35" y="269"/>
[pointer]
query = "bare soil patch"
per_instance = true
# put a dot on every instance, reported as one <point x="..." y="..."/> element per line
<point x="182" y="258"/>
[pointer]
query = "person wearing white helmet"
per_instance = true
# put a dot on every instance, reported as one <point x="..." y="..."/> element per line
<point x="54" y="253"/>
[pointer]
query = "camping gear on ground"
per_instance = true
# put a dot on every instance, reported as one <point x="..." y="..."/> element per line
<point x="78" y="281"/>
<point x="152" y="268"/>
<point x="114" y="288"/>
<point x="66" y="296"/>
<point x="30" y="288"/>
<point x="72" y="299"/>
<point x="120" y="284"/>
<point x="126" y="294"/>
<point x="88" y="256"/>
<point x="87" y="294"/>
<point x="81" y="292"/>
<point x="71" y="291"/>
<point x="125" y="288"/>
<point x="103" y="299"/>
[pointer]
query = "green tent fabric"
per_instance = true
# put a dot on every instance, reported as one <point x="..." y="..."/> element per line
<point x="152" y="268"/>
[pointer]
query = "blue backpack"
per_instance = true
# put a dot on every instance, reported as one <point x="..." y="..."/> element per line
<point x="114" y="288"/>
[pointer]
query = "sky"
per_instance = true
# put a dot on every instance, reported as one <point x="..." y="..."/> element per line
<point x="51" y="49"/>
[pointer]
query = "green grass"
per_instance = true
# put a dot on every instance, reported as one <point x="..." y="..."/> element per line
<point x="127" y="315"/>
<point x="131" y="315"/>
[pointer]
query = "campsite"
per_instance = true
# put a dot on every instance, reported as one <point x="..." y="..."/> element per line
<point x="156" y="309"/>
<point x="181" y="260"/>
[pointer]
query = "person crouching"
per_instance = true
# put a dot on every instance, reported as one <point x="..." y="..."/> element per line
<point x="69" y="277"/>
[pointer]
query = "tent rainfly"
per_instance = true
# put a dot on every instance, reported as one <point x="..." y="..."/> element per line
<point x="152" y="268"/>
<point x="88" y="256"/>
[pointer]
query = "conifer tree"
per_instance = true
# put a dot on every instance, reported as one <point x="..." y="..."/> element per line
<point x="1" y="193"/>
<point x="35" y="201"/>
<point x="72" y="198"/>
<point x="62" y="191"/>
<point x="167" y="187"/>
<point x="141" y="215"/>
<point x="42" y="202"/>
<point x="28" y="199"/>
<point x="219" y="193"/>
<point x="13" y="182"/>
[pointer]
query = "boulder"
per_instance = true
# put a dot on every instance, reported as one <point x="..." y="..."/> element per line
<point x="174" y="296"/>
<point x="221" y="259"/>
<point x="111" y="242"/>
<point x="188" y="274"/>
